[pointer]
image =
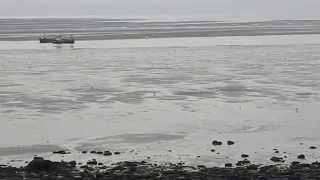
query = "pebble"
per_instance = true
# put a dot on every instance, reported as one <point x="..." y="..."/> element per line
<point x="243" y="162"/>
<point x="61" y="152"/>
<point x="312" y="147"/>
<point x="277" y="159"/>
<point x="107" y="153"/>
<point x="230" y="143"/>
<point x="228" y="165"/>
<point x="216" y="143"/>
<point x="301" y="156"/>
<point x="92" y="162"/>
<point x="244" y="155"/>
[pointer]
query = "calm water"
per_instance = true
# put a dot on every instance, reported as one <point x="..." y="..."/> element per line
<point x="98" y="28"/>
<point x="152" y="96"/>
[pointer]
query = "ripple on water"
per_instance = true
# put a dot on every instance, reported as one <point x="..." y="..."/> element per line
<point x="40" y="104"/>
<point x="32" y="149"/>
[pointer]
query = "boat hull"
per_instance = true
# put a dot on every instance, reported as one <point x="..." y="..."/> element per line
<point x="64" y="41"/>
<point x="57" y="40"/>
<point x="46" y="40"/>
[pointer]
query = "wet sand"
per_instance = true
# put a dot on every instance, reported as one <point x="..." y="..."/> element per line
<point x="153" y="99"/>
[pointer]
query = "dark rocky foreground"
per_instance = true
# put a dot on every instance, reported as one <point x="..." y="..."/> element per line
<point x="40" y="168"/>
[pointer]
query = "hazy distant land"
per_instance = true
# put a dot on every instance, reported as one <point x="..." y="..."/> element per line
<point x="103" y="29"/>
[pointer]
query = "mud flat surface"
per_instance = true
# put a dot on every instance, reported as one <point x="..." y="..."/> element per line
<point x="40" y="168"/>
<point x="155" y="99"/>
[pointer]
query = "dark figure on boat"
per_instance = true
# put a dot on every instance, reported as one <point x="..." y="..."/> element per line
<point x="64" y="41"/>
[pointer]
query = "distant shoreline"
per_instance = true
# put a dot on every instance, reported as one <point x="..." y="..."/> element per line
<point x="163" y="35"/>
<point x="111" y="29"/>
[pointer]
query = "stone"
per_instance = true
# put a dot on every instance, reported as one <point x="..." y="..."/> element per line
<point x="39" y="164"/>
<point x="244" y="162"/>
<point x="230" y="143"/>
<point x="92" y="162"/>
<point x="276" y="159"/>
<point x="301" y="156"/>
<point x="107" y="153"/>
<point x="252" y="167"/>
<point x="216" y="143"/>
<point x="61" y="152"/>
<point x="73" y="163"/>
<point x="103" y="167"/>
<point x="295" y="163"/>
<point x="84" y="167"/>
<point x="244" y="155"/>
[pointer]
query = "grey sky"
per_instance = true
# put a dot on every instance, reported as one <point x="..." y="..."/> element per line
<point x="228" y="9"/>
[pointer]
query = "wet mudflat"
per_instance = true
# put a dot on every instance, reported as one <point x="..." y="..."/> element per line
<point x="119" y="111"/>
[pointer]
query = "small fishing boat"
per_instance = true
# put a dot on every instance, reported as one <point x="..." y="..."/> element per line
<point x="57" y="40"/>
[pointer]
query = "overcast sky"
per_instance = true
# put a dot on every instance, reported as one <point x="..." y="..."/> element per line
<point x="227" y="9"/>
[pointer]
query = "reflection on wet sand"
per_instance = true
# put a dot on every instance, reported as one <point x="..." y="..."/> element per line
<point x="33" y="150"/>
<point x="161" y="98"/>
